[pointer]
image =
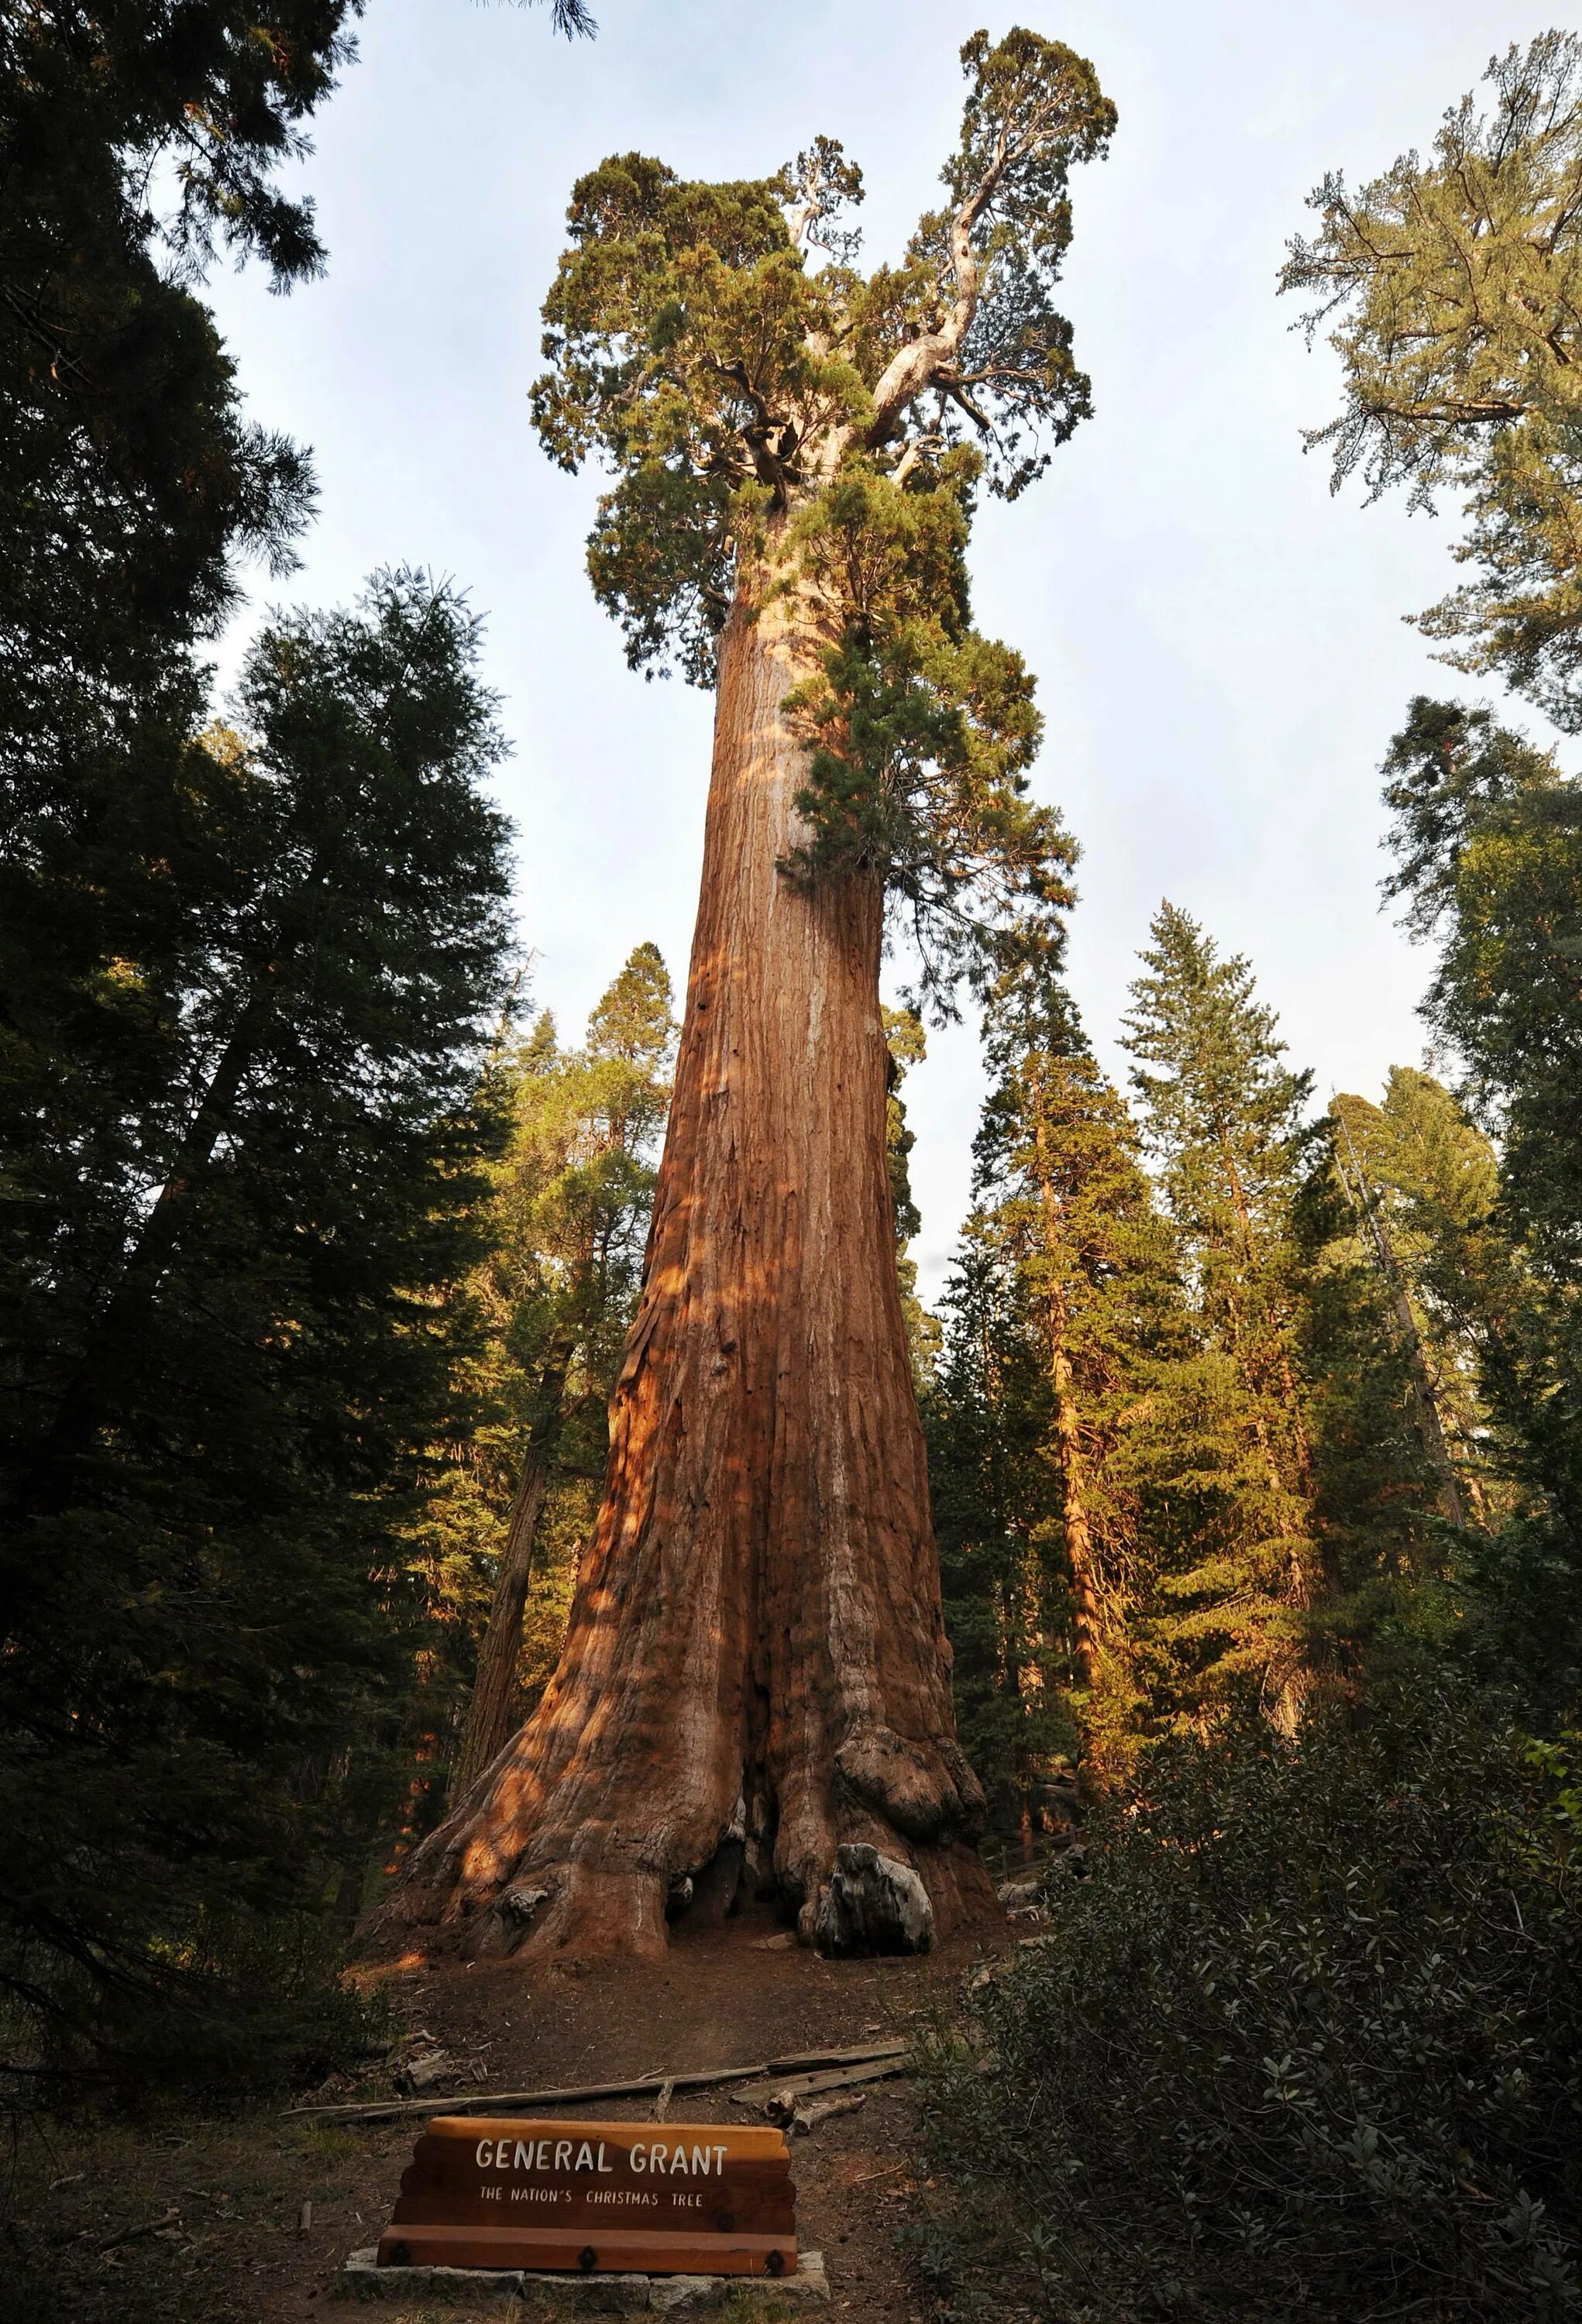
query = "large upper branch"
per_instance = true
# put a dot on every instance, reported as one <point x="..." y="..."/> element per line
<point x="1456" y="411"/>
<point x="927" y="360"/>
<point x="914" y="368"/>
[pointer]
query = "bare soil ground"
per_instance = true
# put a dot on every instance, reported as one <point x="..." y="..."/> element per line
<point x="202" y="2222"/>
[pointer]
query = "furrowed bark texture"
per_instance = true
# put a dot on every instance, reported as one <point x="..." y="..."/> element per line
<point x="756" y="1670"/>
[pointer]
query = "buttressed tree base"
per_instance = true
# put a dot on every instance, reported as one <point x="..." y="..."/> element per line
<point x="754" y="1693"/>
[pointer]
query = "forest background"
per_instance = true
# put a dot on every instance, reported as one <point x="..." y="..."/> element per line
<point x="1219" y="646"/>
<point x="1257" y="1479"/>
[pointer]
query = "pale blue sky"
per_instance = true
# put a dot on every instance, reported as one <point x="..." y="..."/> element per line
<point x="1219" y="643"/>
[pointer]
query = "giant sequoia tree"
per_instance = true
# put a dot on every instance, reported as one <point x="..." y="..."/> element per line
<point x="757" y="1672"/>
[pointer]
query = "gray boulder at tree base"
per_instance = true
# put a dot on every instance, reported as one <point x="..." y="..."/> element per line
<point x="874" y="1904"/>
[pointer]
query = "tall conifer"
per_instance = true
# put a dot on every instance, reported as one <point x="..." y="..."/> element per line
<point x="217" y="1405"/>
<point x="1488" y="836"/>
<point x="1066" y="1320"/>
<point x="1222" y="1119"/>
<point x="1448" y="287"/>
<point x="756" y="1670"/>
<point x="567" y="1225"/>
<point x="1421" y="1181"/>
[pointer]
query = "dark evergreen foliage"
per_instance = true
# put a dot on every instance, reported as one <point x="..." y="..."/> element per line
<point x="1303" y="2044"/>
<point x="1488" y="837"/>
<point x="128" y="484"/>
<point x="229" y="1355"/>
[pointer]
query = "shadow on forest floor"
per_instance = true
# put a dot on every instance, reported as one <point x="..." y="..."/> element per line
<point x="197" y="2219"/>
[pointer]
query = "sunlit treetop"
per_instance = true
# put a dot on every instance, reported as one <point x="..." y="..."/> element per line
<point x="697" y="348"/>
<point x="1220" y="1108"/>
<point x="1452" y="291"/>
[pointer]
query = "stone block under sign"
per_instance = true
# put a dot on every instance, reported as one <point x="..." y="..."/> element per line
<point x="680" y="2197"/>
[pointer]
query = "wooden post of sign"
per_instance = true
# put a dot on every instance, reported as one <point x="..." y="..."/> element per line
<point x="639" y="2197"/>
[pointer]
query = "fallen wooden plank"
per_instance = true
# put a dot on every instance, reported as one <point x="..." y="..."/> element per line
<point x="526" y="2101"/>
<point x="783" y="2101"/>
<point x="646" y="2086"/>
<point x="861" y="2054"/>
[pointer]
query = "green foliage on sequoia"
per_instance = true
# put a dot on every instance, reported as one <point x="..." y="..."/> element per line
<point x="775" y="427"/>
<point x="920" y="732"/>
<point x="1452" y="286"/>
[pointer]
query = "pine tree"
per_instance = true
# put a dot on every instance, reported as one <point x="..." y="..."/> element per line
<point x="1050" y="1432"/>
<point x="1421" y="1181"/>
<point x="1058" y="1148"/>
<point x="1450" y="281"/>
<point x="567" y="1228"/>
<point x="1451" y="285"/>
<point x="216" y="1418"/>
<point x="986" y="1415"/>
<point x="792" y="484"/>
<point x="1222" y="1116"/>
<point x="1388" y="1489"/>
<point x="1488" y="836"/>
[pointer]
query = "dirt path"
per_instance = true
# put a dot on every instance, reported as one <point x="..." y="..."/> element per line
<point x="219" y="2203"/>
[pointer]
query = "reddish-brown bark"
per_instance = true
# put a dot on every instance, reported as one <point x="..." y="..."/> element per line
<point x="756" y="1664"/>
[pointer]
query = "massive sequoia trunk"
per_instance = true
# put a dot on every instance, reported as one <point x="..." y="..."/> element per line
<point x="756" y="1673"/>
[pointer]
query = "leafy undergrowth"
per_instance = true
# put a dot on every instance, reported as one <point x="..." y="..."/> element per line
<point x="1305" y="2045"/>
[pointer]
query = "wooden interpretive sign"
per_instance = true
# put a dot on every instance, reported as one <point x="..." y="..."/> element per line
<point x="644" y="2198"/>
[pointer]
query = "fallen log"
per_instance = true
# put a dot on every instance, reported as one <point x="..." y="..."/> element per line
<point x="886" y="2055"/>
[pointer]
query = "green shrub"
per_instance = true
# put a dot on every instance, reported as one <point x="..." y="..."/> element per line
<point x="1305" y="2045"/>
